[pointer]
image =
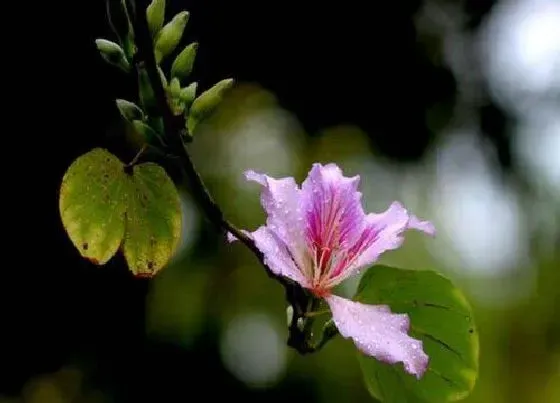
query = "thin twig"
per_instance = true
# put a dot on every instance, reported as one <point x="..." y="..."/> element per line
<point x="137" y="156"/>
<point x="313" y="314"/>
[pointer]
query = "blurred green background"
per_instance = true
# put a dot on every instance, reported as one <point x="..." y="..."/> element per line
<point x="450" y="107"/>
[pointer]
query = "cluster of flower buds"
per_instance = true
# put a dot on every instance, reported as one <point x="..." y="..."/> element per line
<point x="181" y="94"/>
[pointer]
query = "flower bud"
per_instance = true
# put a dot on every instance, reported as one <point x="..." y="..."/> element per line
<point x="174" y="92"/>
<point x="112" y="53"/>
<point x="184" y="62"/>
<point x="289" y="314"/>
<point x="129" y="110"/>
<point x="170" y="35"/>
<point x="207" y="102"/>
<point x="188" y="93"/>
<point x="155" y="14"/>
<point x="175" y="87"/>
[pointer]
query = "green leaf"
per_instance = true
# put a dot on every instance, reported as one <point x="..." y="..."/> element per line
<point x="129" y="110"/>
<point x="170" y="35"/>
<point x="155" y="14"/>
<point x="183" y="64"/>
<point x="105" y="204"/>
<point x="153" y="220"/>
<point x="113" y="54"/>
<point x="207" y="102"/>
<point x="441" y="317"/>
<point x="92" y="204"/>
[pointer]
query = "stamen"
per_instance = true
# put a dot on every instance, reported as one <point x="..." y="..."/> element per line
<point x="316" y="273"/>
<point x="368" y="237"/>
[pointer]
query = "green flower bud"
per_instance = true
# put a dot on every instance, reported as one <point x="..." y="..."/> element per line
<point x="175" y="87"/>
<point x="188" y="93"/>
<point x="289" y="314"/>
<point x="170" y="35"/>
<point x="184" y="62"/>
<point x="206" y="103"/>
<point x="129" y="110"/>
<point x="177" y="107"/>
<point x="155" y="14"/>
<point x="113" y="54"/>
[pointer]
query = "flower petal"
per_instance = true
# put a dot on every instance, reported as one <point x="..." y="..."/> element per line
<point x="424" y="226"/>
<point x="334" y="213"/>
<point x="280" y="199"/>
<point x="277" y="256"/>
<point x="334" y="216"/>
<point x="382" y="232"/>
<point x="379" y="333"/>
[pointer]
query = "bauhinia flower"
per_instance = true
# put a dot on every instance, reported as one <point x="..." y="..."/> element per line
<point x="319" y="235"/>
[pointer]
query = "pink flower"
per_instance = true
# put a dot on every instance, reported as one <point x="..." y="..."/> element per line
<point x="318" y="235"/>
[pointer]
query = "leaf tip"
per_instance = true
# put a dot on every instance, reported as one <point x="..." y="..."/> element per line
<point x="149" y="270"/>
<point x="94" y="261"/>
<point x="144" y="275"/>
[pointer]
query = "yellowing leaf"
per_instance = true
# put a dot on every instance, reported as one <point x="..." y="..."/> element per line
<point x="101" y="204"/>
<point x="153" y="220"/>
<point x="92" y="204"/>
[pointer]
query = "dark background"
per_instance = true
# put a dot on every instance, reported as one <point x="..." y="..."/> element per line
<point x="363" y="63"/>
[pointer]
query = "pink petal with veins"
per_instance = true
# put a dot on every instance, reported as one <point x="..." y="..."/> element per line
<point x="379" y="333"/>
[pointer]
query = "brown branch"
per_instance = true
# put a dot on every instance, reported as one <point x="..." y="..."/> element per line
<point x="175" y="129"/>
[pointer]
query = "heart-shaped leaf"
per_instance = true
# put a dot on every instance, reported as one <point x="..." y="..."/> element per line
<point x="441" y="317"/>
<point x="102" y="202"/>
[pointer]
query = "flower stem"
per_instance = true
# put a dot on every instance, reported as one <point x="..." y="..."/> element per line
<point x="314" y="314"/>
<point x="329" y="332"/>
<point x="137" y="156"/>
